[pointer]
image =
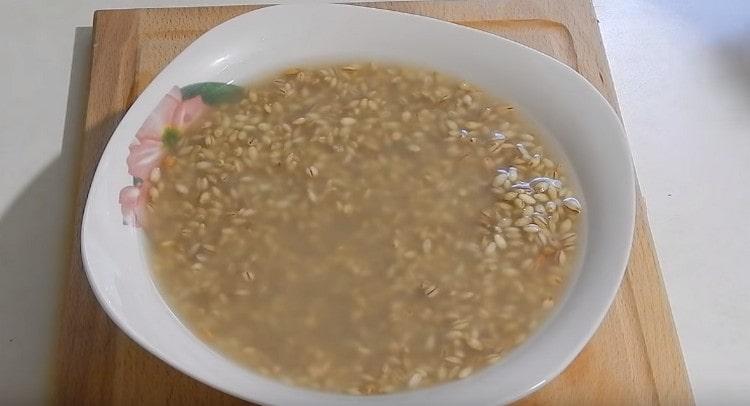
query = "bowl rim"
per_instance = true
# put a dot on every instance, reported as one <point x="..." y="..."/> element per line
<point x="398" y="397"/>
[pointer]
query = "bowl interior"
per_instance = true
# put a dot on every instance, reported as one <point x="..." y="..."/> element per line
<point x="254" y="44"/>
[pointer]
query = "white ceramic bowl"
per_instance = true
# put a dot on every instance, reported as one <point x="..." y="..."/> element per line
<point x="556" y="97"/>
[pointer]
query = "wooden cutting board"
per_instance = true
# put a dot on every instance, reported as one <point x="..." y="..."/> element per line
<point x="634" y="358"/>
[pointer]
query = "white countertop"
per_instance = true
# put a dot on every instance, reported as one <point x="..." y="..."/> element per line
<point x="682" y="74"/>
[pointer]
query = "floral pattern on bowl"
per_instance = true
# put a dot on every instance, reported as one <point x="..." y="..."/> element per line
<point x="160" y="134"/>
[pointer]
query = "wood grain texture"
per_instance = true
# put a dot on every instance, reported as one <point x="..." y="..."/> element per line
<point x="634" y="358"/>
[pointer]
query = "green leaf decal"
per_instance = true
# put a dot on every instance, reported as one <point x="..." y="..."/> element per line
<point x="213" y="92"/>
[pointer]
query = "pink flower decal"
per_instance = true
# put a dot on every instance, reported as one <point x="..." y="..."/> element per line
<point x="162" y="128"/>
<point x="132" y="204"/>
<point x="172" y="112"/>
<point x="144" y="157"/>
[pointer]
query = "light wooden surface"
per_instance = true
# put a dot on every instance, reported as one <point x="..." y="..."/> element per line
<point x="634" y="358"/>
